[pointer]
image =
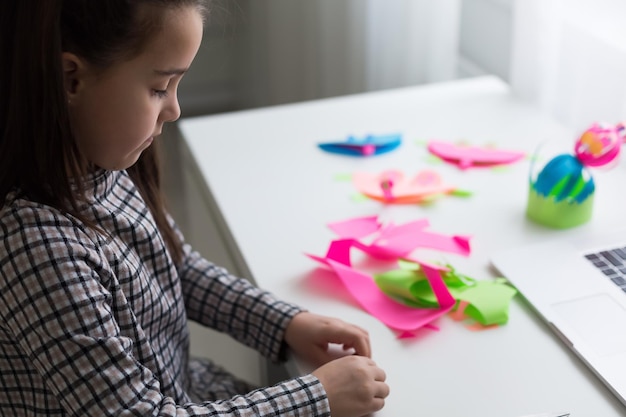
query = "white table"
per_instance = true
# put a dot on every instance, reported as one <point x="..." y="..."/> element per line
<point x="272" y="192"/>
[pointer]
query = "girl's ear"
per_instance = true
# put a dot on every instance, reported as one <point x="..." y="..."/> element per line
<point x="73" y="73"/>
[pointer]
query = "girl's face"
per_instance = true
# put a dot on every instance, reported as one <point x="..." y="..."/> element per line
<point x="117" y="113"/>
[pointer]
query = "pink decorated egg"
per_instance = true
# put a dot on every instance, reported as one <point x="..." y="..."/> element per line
<point x="599" y="145"/>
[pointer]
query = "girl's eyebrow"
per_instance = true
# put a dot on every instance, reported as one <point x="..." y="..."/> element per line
<point x="172" y="71"/>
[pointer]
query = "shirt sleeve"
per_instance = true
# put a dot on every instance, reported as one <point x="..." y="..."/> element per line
<point x="219" y="300"/>
<point x="56" y="299"/>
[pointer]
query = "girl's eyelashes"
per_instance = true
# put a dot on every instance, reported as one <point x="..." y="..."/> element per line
<point x="159" y="93"/>
<point x="172" y="83"/>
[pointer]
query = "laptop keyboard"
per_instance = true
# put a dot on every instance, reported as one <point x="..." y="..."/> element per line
<point x="612" y="263"/>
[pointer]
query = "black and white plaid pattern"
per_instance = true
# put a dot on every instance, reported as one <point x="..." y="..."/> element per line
<point x="94" y="325"/>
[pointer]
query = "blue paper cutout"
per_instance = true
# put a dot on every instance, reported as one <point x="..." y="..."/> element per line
<point x="366" y="146"/>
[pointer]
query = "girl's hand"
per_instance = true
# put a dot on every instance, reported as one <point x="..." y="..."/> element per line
<point x="355" y="386"/>
<point x="309" y="335"/>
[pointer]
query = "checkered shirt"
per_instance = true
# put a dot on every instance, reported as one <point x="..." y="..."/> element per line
<point x="96" y="325"/>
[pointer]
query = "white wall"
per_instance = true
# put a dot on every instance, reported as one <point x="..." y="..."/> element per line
<point x="485" y="38"/>
<point x="264" y="52"/>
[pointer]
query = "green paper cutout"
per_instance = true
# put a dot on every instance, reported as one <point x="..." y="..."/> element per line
<point x="433" y="159"/>
<point x="488" y="301"/>
<point x="431" y="199"/>
<point x="500" y="168"/>
<point x="408" y="265"/>
<point x="424" y="294"/>
<point x="359" y="198"/>
<point x="454" y="279"/>
<point x="345" y="177"/>
<point x="461" y="193"/>
<point x="399" y="283"/>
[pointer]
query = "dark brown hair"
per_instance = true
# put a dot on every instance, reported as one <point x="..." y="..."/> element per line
<point x="38" y="153"/>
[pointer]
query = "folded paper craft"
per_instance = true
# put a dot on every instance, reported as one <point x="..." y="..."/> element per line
<point x="486" y="302"/>
<point x="395" y="315"/>
<point x="391" y="243"/>
<point x="393" y="187"/>
<point x="366" y="146"/>
<point x="472" y="156"/>
<point x="417" y="292"/>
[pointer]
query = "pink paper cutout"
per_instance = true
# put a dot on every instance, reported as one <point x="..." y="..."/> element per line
<point x="338" y="251"/>
<point x="386" y="186"/>
<point x="356" y="228"/>
<point x="412" y="334"/>
<point x="392" y="242"/>
<point x="394" y="187"/>
<point x="390" y="230"/>
<point x="393" y="314"/>
<point x="439" y="287"/>
<point x="368" y="150"/>
<point x="401" y="245"/>
<point x="469" y="156"/>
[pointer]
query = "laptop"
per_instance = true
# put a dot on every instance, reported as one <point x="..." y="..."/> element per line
<point x="579" y="288"/>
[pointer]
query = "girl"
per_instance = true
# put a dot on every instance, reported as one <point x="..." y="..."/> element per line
<point x="96" y="282"/>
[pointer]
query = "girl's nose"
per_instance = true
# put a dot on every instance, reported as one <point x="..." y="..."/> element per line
<point x="171" y="111"/>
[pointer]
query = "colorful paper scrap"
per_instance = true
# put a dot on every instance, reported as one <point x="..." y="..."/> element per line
<point x="394" y="187"/>
<point x="366" y="146"/>
<point x="415" y="292"/>
<point x="487" y="302"/>
<point x="391" y="242"/>
<point x="465" y="156"/>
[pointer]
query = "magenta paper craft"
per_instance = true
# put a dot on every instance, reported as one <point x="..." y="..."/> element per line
<point x="470" y="156"/>
<point x="356" y="228"/>
<point x="393" y="242"/>
<point x="400" y="246"/>
<point x="393" y="314"/>
<point x="400" y="241"/>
